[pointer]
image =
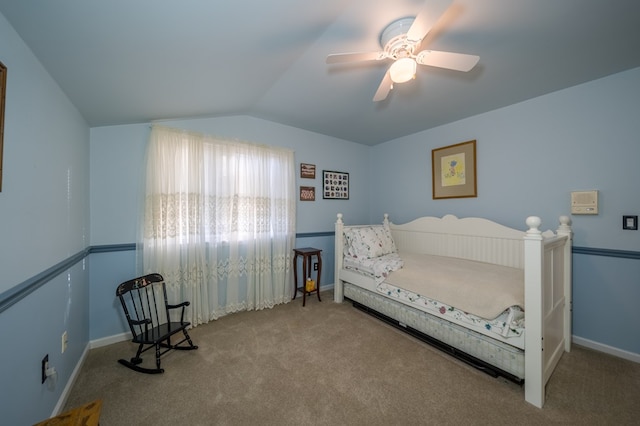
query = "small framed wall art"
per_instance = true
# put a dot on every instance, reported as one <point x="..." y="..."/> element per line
<point x="453" y="170"/>
<point x="307" y="171"/>
<point x="335" y="185"/>
<point x="307" y="193"/>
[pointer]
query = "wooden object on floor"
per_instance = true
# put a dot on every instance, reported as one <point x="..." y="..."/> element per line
<point x="307" y="253"/>
<point x="87" y="415"/>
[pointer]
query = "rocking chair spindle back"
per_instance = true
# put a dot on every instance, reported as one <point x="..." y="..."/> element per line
<point x="145" y="305"/>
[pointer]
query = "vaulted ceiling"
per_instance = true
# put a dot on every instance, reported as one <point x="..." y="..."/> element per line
<point x="132" y="61"/>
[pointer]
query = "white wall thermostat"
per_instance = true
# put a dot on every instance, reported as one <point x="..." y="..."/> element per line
<point x="584" y="202"/>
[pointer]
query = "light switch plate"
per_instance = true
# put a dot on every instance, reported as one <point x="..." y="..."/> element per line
<point x="630" y="223"/>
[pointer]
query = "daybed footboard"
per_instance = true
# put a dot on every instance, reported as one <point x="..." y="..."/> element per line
<point x="547" y="296"/>
<point x="545" y="258"/>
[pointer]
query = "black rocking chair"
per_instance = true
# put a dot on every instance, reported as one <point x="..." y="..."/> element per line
<point x="144" y="300"/>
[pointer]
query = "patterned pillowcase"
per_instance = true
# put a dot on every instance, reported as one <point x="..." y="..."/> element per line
<point x="368" y="242"/>
<point x="386" y="240"/>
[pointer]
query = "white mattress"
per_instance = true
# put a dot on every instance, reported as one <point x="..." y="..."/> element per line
<point x="508" y="325"/>
<point x="456" y="283"/>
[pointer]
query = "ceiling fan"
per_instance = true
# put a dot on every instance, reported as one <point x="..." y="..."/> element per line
<point x="400" y="42"/>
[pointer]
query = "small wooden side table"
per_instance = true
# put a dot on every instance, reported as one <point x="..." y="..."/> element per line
<point x="307" y="254"/>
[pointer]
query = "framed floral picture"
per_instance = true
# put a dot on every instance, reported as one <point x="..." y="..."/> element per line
<point x="453" y="170"/>
<point x="335" y="185"/>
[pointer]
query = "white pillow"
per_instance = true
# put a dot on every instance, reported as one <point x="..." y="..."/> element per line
<point x="386" y="240"/>
<point x="369" y="241"/>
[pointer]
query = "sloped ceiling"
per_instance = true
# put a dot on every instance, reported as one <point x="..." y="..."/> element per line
<point x="124" y="61"/>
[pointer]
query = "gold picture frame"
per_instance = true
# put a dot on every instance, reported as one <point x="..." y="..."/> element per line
<point x="3" y="91"/>
<point x="453" y="171"/>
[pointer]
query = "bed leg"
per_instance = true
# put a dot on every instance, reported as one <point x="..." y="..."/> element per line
<point x="338" y="289"/>
<point x="338" y="292"/>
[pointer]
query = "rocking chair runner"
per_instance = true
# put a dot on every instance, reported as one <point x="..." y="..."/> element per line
<point x="144" y="301"/>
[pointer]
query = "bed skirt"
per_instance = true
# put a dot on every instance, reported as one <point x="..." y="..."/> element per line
<point x="505" y="358"/>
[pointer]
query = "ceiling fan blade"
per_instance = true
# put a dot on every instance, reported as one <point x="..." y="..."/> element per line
<point x="384" y="88"/>
<point x="427" y="17"/>
<point x="337" y="58"/>
<point x="448" y="60"/>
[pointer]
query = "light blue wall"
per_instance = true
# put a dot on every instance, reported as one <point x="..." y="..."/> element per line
<point x="117" y="161"/>
<point x="117" y="167"/>
<point x="530" y="156"/>
<point x="108" y="269"/>
<point x="605" y="301"/>
<point x="44" y="212"/>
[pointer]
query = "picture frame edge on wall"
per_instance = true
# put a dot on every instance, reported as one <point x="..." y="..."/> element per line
<point x="307" y="171"/>
<point x="307" y="193"/>
<point x="444" y="185"/>
<point x="335" y="185"/>
<point x="3" y="92"/>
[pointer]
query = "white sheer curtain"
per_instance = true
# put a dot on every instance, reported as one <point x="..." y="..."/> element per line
<point x="219" y="222"/>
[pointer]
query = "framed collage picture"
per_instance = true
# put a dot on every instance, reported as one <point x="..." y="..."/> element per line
<point x="335" y="185"/>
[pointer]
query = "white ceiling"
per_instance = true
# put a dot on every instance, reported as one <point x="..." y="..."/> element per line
<point x="133" y="61"/>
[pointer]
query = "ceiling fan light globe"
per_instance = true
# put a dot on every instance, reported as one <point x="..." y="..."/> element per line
<point x="402" y="70"/>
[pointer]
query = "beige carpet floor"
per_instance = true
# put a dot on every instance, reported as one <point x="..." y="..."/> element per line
<point x="330" y="364"/>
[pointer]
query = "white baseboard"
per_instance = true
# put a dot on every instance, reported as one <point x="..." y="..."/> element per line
<point x="326" y="287"/>
<point x="106" y="341"/>
<point x="72" y="379"/>
<point x="606" y="349"/>
<point x="76" y="371"/>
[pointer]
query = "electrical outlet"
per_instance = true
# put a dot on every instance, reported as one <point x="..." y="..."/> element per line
<point x="65" y="341"/>
<point x="45" y="365"/>
<point x="315" y="266"/>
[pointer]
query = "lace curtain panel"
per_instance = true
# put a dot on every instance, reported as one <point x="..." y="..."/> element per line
<point x="219" y="222"/>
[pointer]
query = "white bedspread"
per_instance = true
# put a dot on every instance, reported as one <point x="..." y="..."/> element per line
<point x="482" y="289"/>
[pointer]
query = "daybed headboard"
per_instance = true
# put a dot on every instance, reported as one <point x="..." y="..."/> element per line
<point x="469" y="238"/>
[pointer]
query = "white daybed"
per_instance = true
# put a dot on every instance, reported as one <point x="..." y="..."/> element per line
<point x="500" y="346"/>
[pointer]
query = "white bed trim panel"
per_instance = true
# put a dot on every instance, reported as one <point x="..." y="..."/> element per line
<point x="468" y="238"/>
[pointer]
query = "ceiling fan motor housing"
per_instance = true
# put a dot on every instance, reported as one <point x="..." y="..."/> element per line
<point x="393" y="39"/>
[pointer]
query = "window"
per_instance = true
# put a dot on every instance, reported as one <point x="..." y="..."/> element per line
<point x="219" y="220"/>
